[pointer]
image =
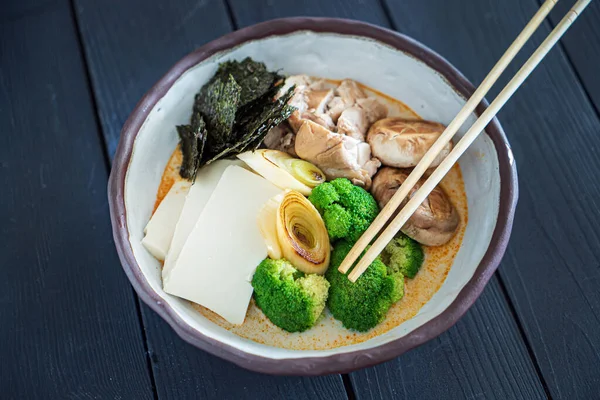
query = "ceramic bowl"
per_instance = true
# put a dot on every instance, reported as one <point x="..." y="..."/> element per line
<point x="384" y="60"/>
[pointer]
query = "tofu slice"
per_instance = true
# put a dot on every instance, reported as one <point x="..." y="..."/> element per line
<point x="161" y="227"/>
<point x="225" y="246"/>
<point x="198" y="195"/>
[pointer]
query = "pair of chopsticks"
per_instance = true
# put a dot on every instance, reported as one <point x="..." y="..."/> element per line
<point x="462" y="145"/>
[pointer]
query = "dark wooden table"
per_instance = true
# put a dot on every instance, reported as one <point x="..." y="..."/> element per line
<point x="72" y="326"/>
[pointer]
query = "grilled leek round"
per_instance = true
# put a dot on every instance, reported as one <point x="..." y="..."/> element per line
<point x="302" y="234"/>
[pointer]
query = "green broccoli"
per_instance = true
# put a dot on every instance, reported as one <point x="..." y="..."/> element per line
<point x="347" y="210"/>
<point x="403" y="254"/>
<point x="290" y="299"/>
<point x="363" y="304"/>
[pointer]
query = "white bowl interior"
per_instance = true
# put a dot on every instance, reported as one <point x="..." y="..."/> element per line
<point x="330" y="56"/>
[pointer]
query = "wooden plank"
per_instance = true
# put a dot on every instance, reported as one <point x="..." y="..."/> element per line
<point x="496" y="351"/>
<point x="127" y="51"/>
<point x="182" y="372"/>
<point x="459" y="363"/>
<point x="582" y="45"/>
<point x="70" y="328"/>
<point x="251" y="12"/>
<point x="552" y="267"/>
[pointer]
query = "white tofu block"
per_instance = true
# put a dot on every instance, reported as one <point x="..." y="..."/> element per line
<point x="161" y="227"/>
<point x="198" y="195"/>
<point x="225" y="246"/>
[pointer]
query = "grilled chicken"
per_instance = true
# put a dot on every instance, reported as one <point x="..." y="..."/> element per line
<point x="355" y="121"/>
<point x="346" y="95"/>
<point x="350" y="91"/>
<point x="310" y="99"/>
<point x="374" y="110"/>
<point x="337" y="155"/>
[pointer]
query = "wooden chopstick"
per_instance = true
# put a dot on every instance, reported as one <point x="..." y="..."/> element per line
<point x="390" y="208"/>
<point x="463" y="144"/>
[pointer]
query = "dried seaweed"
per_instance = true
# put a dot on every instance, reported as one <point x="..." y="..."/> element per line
<point x="261" y="116"/>
<point x="232" y="113"/>
<point x="255" y="120"/>
<point x="192" y="140"/>
<point x="218" y="102"/>
<point x="253" y="77"/>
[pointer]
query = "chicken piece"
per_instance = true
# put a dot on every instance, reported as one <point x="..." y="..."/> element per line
<point x="403" y="143"/>
<point x="322" y="119"/>
<point x="281" y="138"/>
<point x="436" y="220"/>
<point x="310" y="105"/>
<point x="349" y="94"/>
<point x="338" y="156"/>
<point x="365" y="159"/>
<point x="300" y="81"/>
<point x="349" y="91"/>
<point x="310" y="99"/>
<point x="319" y="84"/>
<point x="317" y="99"/>
<point x="374" y="109"/>
<point x="335" y="108"/>
<point x="354" y="123"/>
<point x="346" y="95"/>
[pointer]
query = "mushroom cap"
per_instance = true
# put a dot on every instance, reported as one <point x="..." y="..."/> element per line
<point x="436" y="220"/>
<point x="402" y="143"/>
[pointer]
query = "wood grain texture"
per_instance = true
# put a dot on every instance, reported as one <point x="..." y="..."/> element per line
<point x="130" y="45"/>
<point x="184" y="372"/>
<point x="70" y="328"/>
<point x="251" y="12"/>
<point x="552" y="267"/>
<point x="582" y="45"/>
<point x="458" y="364"/>
<point x="118" y="48"/>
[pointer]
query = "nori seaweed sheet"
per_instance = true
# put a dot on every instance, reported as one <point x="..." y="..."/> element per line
<point x="254" y="121"/>
<point x="192" y="140"/>
<point x="218" y="102"/>
<point x="232" y="113"/>
<point x="253" y="77"/>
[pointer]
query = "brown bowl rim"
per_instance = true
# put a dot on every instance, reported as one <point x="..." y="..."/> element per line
<point x="342" y="362"/>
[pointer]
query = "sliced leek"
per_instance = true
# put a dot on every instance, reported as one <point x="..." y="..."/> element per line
<point x="267" y="224"/>
<point x="305" y="172"/>
<point x="283" y="170"/>
<point x="302" y="234"/>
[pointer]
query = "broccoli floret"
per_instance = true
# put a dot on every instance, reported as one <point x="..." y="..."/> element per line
<point x="323" y="196"/>
<point x="403" y="254"/>
<point x="363" y="304"/>
<point x="338" y="221"/>
<point x="290" y="299"/>
<point x="347" y="210"/>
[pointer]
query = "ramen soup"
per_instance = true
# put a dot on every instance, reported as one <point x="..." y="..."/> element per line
<point x="252" y="222"/>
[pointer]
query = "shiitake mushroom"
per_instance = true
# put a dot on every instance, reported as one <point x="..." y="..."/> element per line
<point x="436" y="220"/>
<point x="402" y="143"/>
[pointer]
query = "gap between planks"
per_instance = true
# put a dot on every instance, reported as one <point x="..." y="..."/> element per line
<point x="107" y="165"/>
